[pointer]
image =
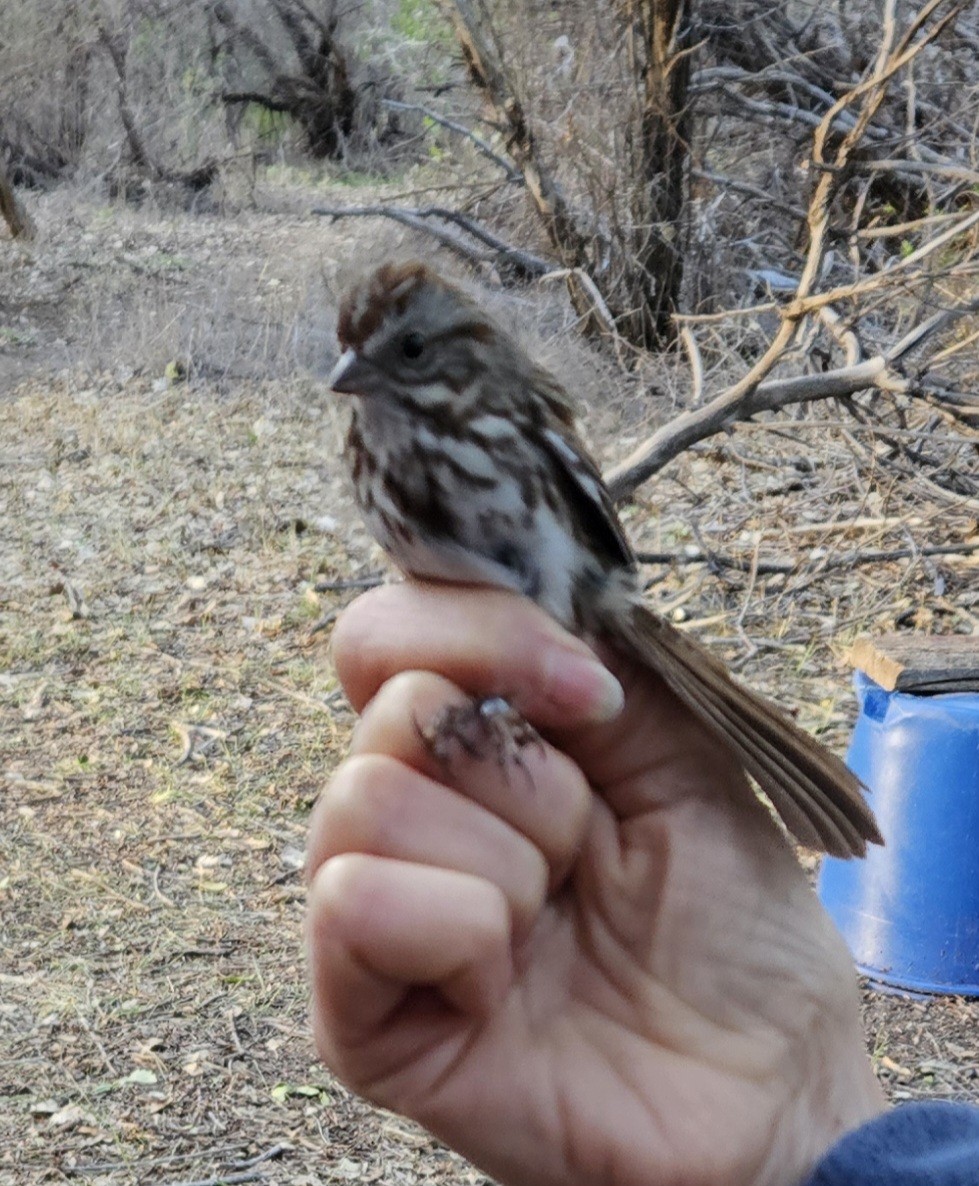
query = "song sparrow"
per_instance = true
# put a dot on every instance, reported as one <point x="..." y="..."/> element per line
<point x="467" y="466"/>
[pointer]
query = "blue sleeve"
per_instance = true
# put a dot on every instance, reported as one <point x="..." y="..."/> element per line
<point x="920" y="1144"/>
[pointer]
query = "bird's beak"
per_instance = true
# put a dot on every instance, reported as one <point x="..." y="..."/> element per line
<point x="352" y="375"/>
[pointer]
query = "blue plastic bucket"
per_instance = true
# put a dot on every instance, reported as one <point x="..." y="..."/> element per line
<point x="910" y="911"/>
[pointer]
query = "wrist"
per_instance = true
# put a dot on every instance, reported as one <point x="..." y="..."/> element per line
<point x="840" y="1095"/>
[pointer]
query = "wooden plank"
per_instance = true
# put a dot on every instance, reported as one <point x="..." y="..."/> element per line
<point x="919" y="662"/>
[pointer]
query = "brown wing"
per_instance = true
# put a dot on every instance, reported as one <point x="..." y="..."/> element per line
<point x="591" y="503"/>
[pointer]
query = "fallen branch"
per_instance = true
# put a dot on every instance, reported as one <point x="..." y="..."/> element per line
<point x="408" y="218"/>
<point x="528" y="265"/>
<point x="522" y="263"/>
<point x="226" y="1179"/>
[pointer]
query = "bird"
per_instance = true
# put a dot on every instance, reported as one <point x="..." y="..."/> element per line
<point x="467" y="466"/>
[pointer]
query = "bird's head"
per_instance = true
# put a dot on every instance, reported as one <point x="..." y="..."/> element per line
<point x="408" y="335"/>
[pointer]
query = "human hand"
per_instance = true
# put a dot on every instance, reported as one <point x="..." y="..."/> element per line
<point x="608" y="969"/>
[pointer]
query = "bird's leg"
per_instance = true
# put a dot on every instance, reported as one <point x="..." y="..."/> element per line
<point x="490" y="728"/>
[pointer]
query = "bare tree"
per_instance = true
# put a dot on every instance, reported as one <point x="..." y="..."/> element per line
<point x="299" y="66"/>
<point x="631" y="236"/>
<point x="139" y="91"/>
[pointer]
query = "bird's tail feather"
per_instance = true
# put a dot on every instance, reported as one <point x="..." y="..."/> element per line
<point x="817" y="797"/>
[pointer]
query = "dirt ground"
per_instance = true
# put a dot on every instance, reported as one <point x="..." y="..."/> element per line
<point x="170" y="496"/>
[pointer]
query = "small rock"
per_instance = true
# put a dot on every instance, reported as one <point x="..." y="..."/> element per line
<point x="71" y="1117"/>
<point x="292" y="857"/>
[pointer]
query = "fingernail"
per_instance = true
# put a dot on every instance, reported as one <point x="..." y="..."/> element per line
<point x="580" y="686"/>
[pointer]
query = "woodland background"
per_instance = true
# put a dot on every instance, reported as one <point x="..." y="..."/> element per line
<point x="745" y="233"/>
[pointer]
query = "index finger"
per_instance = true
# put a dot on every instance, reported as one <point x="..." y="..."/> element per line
<point x="489" y="642"/>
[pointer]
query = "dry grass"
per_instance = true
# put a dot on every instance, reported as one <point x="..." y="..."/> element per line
<point x="167" y="716"/>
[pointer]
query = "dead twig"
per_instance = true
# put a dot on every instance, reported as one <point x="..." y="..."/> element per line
<point x="224" y="1179"/>
<point x="787" y="567"/>
<point x="947" y="169"/>
<point x="272" y="1154"/>
<point x="731" y="185"/>
<point x="696" y="364"/>
<point x="343" y="584"/>
<point x="197" y="740"/>
<point x="598" y="309"/>
<point x="99" y="1167"/>
<point x="848" y="292"/>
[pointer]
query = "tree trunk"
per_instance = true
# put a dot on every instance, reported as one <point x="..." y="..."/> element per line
<point x="12" y="210"/>
<point x="637" y="265"/>
<point x="662" y="62"/>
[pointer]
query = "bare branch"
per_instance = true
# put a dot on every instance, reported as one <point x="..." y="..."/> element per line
<point x="117" y="51"/>
<point x="501" y="253"/>
<point x="599" y="310"/>
<point x="949" y="169"/>
<point x="266" y="101"/>
<point x="737" y="404"/>
<point x="749" y="190"/>
<point x="845" y="336"/>
<point x="693" y="426"/>
<point x="461" y="130"/>
<point x="809" y="304"/>
<point x="935" y="324"/>
<point x="225" y="16"/>
<point x="896" y="230"/>
<point x="570" y="239"/>
<point x="753" y="393"/>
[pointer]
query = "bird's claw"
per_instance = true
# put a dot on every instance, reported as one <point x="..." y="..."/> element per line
<point x="489" y="728"/>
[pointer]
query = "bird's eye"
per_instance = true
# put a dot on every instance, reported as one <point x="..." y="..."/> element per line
<point x="412" y="345"/>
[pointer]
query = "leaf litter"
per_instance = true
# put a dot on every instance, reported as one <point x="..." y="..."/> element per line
<point x="168" y="714"/>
